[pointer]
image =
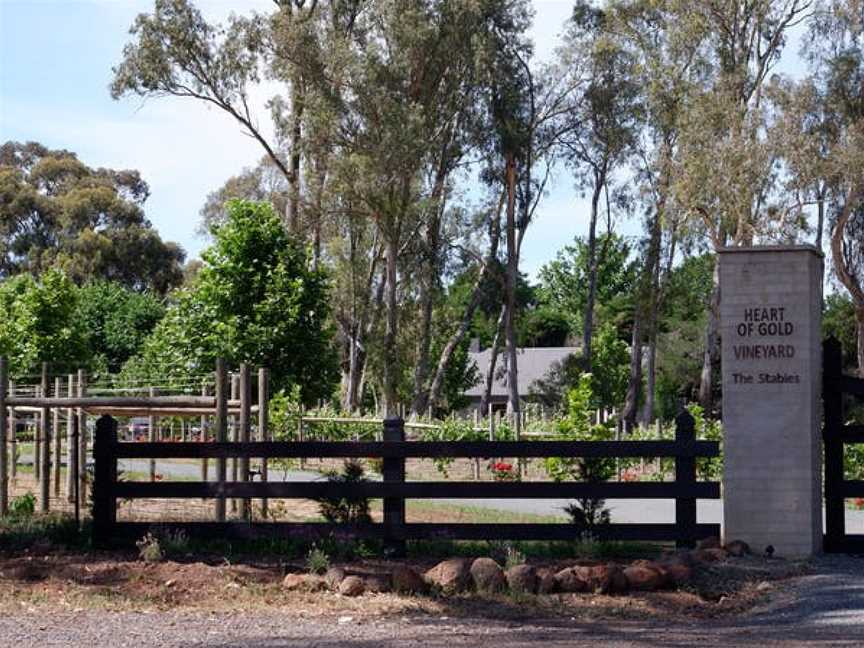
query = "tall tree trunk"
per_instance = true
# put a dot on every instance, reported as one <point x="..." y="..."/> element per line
<point x="650" y="372"/>
<point x="859" y="316"/>
<point x="644" y="319"/>
<point x="428" y="288"/>
<point x="321" y="181"/>
<point x="512" y="277"/>
<point x="588" y="322"/>
<point x="493" y="361"/>
<point x="391" y="361"/>
<point x="476" y="294"/>
<point x="356" y="364"/>
<point x="710" y="355"/>
<point x="651" y="369"/>
<point x="294" y="179"/>
<point x="634" y="382"/>
<point x="820" y="223"/>
<point x="846" y="274"/>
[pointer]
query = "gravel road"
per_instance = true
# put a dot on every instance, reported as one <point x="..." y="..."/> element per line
<point x="824" y="609"/>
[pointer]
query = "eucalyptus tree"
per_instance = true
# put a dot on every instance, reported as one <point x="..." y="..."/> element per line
<point x="55" y="211"/>
<point x="666" y="67"/>
<point x="835" y="50"/>
<point x="726" y="172"/>
<point x="597" y="131"/>
<point x="401" y="106"/>
<point x="175" y="52"/>
<point x="263" y="182"/>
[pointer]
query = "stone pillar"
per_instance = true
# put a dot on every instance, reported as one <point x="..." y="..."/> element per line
<point x="771" y="330"/>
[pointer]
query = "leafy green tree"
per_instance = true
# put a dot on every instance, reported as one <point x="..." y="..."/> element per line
<point x="254" y="300"/>
<point x="116" y="321"/>
<point x="838" y="320"/>
<point x="598" y="127"/>
<point x="836" y="52"/>
<point x="56" y="211"/>
<point x="579" y="425"/>
<point x="543" y="326"/>
<point x="610" y="369"/>
<point x="687" y="294"/>
<point x="564" y="281"/>
<point x="39" y="323"/>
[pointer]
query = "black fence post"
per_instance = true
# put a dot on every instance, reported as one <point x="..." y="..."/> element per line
<point x="394" y="472"/>
<point x="104" y="480"/>
<point x="832" y="400"/>
<point x="685" y="480"/>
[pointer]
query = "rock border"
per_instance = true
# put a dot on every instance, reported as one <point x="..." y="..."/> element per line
<point x="484" y="575"/>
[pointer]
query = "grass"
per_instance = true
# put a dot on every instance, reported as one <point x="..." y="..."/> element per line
<point x="537" y="549"/>
<point x="144" y="476"/>
<point x="21" y="532"/>
<point x="422" y="510"/>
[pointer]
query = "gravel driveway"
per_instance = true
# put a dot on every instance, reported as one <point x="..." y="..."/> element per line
<point x="824" y="609"/>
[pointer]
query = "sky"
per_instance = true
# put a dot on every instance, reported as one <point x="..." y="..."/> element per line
<point x="55" y="68"/>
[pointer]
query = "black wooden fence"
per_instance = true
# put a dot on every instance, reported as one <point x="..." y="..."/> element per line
<point x="394" y="489"/>
<point x="836" y="434"/>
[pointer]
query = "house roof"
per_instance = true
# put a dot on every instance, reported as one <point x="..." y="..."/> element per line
<point x="533" y="363"/>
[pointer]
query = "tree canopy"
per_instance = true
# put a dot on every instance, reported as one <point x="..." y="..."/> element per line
<point x="55" y="211"/>
<point x="254" y="300"/>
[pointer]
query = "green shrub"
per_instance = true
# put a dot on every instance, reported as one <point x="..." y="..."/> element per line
<point x="149" y="549"/>
<point x="351" y="509"/>
<point x="513" y="557"/>
<point x="578" y="425"/>
<point x="707" y="468"/>
<point x="317" y="560"/>
<point x="23" y="506"/>
<point x="452" y="429"/>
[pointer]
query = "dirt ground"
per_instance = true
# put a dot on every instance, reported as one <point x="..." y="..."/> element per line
<point x="42" y="578"/>
<point x="109" y="600"/>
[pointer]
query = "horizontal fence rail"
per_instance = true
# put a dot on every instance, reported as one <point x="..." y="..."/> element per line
<point x="418" y="449"/>
<point x="394" y="489"/>
<point x="836" y="434"/>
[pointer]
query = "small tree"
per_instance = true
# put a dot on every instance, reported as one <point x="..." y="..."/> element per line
<point x="254" y="300"/>
<point x="586" y="513"/>
<point x="38" y="323"/>
<point x="117" y="321"/>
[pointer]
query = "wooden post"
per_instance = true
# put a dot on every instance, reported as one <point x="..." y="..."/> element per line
<point x="151" y="436"/>
<point x="235" y="465"/>
<point x="245" y="387"/>
<point x="491" y="424"/>
<point x="58" y="445"/>
<point x="71" y="470"/>
<point x="300" y="434"/>
<point x="13" y="437"/>
<point x="394" y="507"/>
<point x="104" y="481"/>
<point x="82" y="439"/>
<point x="74" y="470"/>
<point x="685" y="476"/>
<point x="221" y="430"/>
<point x="835" y="506"/>
<point x="4" y="478"/>
<point x="45" y="434"/>
<point x="37" y="438"/>
<point x="205" y="464"/>
<point x="264" y="425"/>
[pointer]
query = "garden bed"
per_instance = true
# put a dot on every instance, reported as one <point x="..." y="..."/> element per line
<point x="45" y="574"/>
